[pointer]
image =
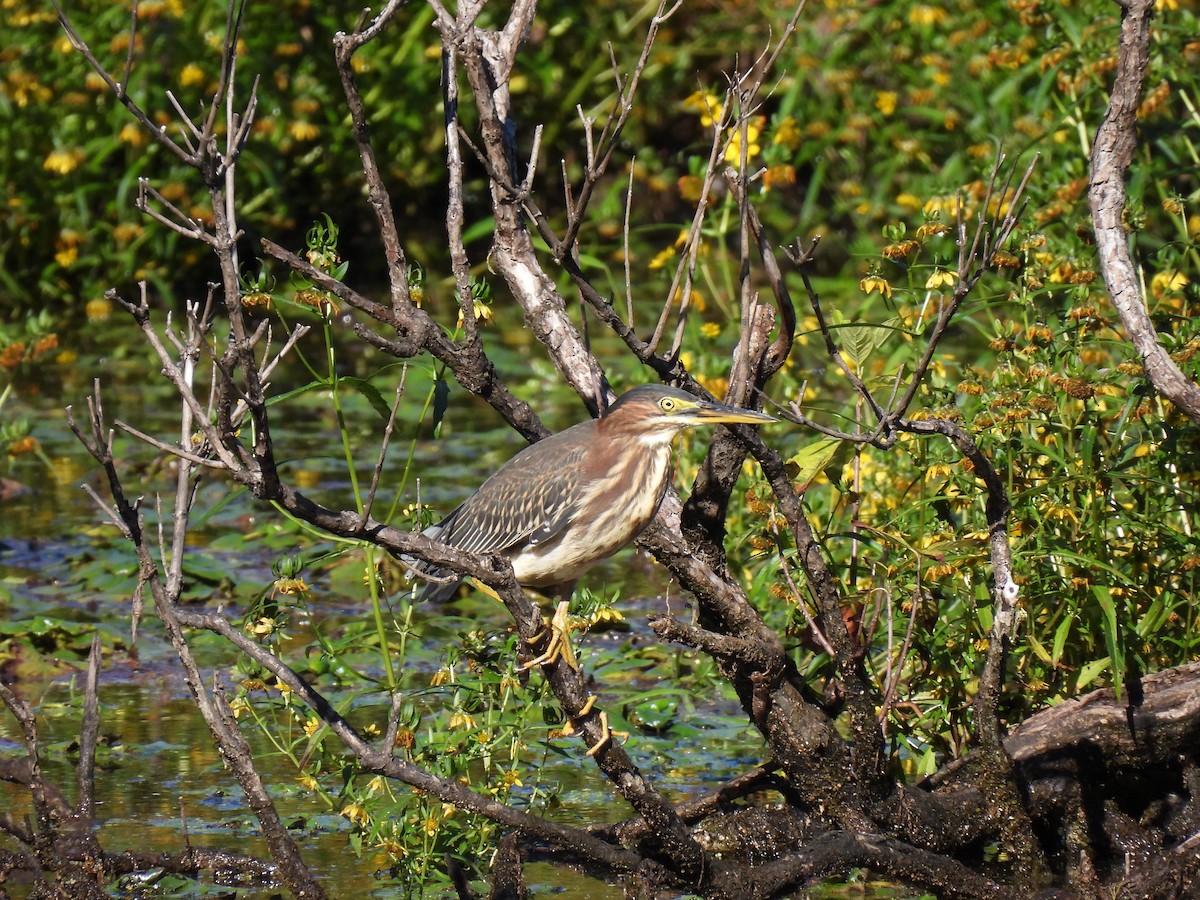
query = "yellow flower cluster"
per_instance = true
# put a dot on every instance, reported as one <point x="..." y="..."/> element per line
<point x="62" y="162"/>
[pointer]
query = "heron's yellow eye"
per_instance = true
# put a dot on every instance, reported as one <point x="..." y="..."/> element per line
<point x="666" y="404"/>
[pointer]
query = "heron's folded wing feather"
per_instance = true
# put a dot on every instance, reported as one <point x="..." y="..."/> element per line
<point x="530" y="503"/>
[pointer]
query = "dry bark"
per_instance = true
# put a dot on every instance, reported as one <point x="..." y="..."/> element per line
<point x="1112" y="154"/>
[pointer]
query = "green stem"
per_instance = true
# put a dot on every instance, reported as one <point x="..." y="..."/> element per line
<point x="334" y="386"/>
<point x="369" y="561"/>
<point x="369" y="556"/>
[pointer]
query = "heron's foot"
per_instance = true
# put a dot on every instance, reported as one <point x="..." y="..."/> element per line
<point x="559" y="645"/>
<point x="574" y="724"/>
<point x="605" y="736"/>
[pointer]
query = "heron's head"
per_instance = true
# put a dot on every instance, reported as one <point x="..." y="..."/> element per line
<point x="655" y="411"/>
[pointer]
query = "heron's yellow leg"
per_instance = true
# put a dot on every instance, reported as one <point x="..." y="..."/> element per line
<point x="605" y="737"/>
<point x="606" y="732"/>
<point x="559" y="645"/>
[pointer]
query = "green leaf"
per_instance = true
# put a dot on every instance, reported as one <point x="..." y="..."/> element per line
<point x="1039" y="650"/>
<point x="1060" y="638"/>
<point x="1112" y="636"/>
<point x="654" y="716"/>
<point x="372" y="394"/>
<point x="819" y="456"/>
<point x="858" y="342"/>
<point x="1090" y="672"/>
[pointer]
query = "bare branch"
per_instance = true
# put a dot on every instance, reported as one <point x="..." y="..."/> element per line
<point x="1112" y="154"/>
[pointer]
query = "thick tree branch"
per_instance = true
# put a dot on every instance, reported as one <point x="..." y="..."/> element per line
<point x="1112" y="154"/>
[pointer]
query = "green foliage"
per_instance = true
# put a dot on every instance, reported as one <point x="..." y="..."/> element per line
<point x="1102" y="475"/>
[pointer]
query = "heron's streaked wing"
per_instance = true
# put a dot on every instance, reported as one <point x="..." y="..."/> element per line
<point x="526" y="502"/>
<point x="529" y="500"/>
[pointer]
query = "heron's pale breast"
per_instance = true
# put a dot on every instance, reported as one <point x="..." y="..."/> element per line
<point x="618" y="510"/>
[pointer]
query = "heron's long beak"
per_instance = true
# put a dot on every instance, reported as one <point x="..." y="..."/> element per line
<point x="706" y="413"/>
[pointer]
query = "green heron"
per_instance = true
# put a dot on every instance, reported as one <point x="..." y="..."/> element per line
<point x="577" y="497"/>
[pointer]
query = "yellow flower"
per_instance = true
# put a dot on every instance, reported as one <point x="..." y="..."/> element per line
<point x="923" y="14"/>
<point x="127" y="231"/>
<point x="1057" y="511"/>
<point x="873" y="283"/>
<point x="98" y="309"/>
<point x="940" y="278"/>
<point x="663" y="257"/>
<point x="885" y="102"/>
<point x="901" y="249"/>
<point x="1172" y="206"/>
<point x="461" y="719"/>
<point x="356" y="813"/>
<point x="132" y="134"/>
<point x="695" y="299"/>
<point x="710" y="329"/>
<point x="66" y="256"/>
<point x="1167" y="283"/>
<point x="932" y="229"/>
<point x="309" y="783"/>
<point x="239" y="705"/>
<point x="62" y="161"/>
<point x="303" y="131"/>
<point x="312" y="726"/>
<point x="942" y="204"/>
<point x="707" y="105"/>
<point x="733" y="153"/>
<point x="290" y="586"/>
<point x="689" y="187"/>
<point x="604" y="615"/>
<point x="483" y="313"/>
<point x="191" y="75"/>
<point x="787" y="133"/>
<point x="715" y="386"/>
<point x="780" y="175"/>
